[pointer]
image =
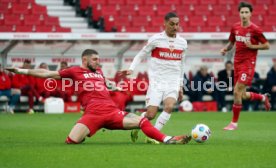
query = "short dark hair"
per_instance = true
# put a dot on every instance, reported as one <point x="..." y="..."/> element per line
<point x="64" y="62"/>
<point x="170" y="15"/>
<point x="245" y="5"/>
<point x="89" y="52"/>
<point x="228" y="62"/>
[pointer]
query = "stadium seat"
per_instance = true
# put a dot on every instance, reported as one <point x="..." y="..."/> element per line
<point x="157" y="21"/>
<point x="184" y="10"/>
<point x="38" y="9"/>
<point x="140" y="21"/>
<point x="262" y="2"/>
<point x="134" y="29"/>
<point x="21" y="8"/>
<point x="115" y="2"/>
<point x="26" y="1"/>
<point x="215" y="21"/>
<point x="25" y="28"/>
<point x="109" y="11"/>
<point x="44" y="29"/>
<point x="134" y="2"/>
<point x="163" y="10"/>
<point x="208" y="2"/>
<point x="221" y="10"/>
<point x="146" y="10"/>
<point x="259" y="10"/>
<point x="51" y="21"/>
<point x="152" y="2"/>
<point x="155" y="29"/>
<point x="32" y="20"/>
<point x="196" y="21"/>
<point x="63" y="29"/>
<point x="170" y="2"/>
<point x="202" y="10"/>
<point x="272" y="10"/>
<point x="226" y="2"/>
<point x="6" y="28"/>
<point x="189" y="2"/>
<point x="12" y="20"/>
<point x="128" y="10"/>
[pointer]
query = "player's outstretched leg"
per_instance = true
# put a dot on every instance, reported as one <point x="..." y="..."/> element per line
<point x="154" y="133"/>
<point x="260" y="97"/>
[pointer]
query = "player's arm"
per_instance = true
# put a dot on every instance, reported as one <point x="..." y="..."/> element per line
<point x="138" y="58"/>
<point x="227" y="48"/>
<point x="181" y="87"/>
<point x="41" y="73"/>
<point x="264" y="46"/>
<point x="112" y="85"/>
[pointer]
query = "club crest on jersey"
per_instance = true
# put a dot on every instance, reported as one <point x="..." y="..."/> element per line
<point x="171" y="47"/>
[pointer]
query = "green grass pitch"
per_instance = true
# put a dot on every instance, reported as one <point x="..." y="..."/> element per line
<point x="37" y="141"/>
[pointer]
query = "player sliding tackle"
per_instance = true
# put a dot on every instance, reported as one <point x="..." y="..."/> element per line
<point x="166" y="71"/>
<point x="249" y="39"/>
<point x="100" y="110"/>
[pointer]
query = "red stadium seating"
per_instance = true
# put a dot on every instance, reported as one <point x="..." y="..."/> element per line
<point x="196" y="21"/>
<point x="21" y="8"/>
<point x="202" y="10"/>
<point x="115" y="2"/>
<point x="170" y="2"/>
<point x="38" y="9"/>
<point x="215" y="21"/>
<point x="24" y="28"/>
<point x="134" y="2"/>
<point x="12" y="20"/>
<point x="32" y="20"/>
<point x="189" y="2"/>
<point x="152" y="2"/>
<point x="146" y="11"/>
<point x="208" y="2"/>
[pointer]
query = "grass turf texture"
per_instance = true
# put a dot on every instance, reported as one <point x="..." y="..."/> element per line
<point x="38" y="141"/>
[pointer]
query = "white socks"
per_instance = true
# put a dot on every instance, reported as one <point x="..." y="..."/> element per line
<point x="162" y="119"/>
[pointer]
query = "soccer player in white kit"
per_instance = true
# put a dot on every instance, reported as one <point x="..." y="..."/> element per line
<point x="166" y="71"/>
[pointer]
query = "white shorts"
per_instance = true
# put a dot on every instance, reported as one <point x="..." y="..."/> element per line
<point x="155" y="97"/>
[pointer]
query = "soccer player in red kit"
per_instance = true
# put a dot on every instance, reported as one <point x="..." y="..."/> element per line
<point x="248" y="38"/>
<point x="100" y="110"/>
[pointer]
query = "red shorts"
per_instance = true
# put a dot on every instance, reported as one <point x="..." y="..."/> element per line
<point x="112" y="120"/>
<point x="244" y="74"/>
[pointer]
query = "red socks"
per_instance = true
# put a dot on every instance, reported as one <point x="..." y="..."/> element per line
<point x="151" y="131"/>
<point x="236" y="112"/>
<point x="256" y="96"/>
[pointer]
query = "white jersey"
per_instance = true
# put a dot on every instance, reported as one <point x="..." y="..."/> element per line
<point x="166" y="65"/>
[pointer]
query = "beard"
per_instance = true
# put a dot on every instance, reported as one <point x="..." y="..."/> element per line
<point x="91" y="68"/>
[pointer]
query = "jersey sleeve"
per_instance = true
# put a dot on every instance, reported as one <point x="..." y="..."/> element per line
<point x="66" y="73"/>
<point x="260" y="36"/>
<point x="232" y="35"/>
<point x="143" y="53"/>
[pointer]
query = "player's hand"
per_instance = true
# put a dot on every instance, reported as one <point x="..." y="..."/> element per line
<point x="125" y="72"/>
<point x="223" y="51"/>
<point x="12" y="69"/>
<point x="249" y="45"/>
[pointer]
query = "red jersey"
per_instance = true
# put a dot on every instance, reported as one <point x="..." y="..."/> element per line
<point x="5" y="82"/>
<point x="240" y="35"/>
<point x="91" y="89"/>
<point x="20" y="80"/>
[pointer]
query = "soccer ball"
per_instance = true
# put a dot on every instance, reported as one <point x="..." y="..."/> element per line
<point x="201" y="133"/>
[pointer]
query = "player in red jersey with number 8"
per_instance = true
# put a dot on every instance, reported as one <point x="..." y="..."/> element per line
<point x="249" y="39"/>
